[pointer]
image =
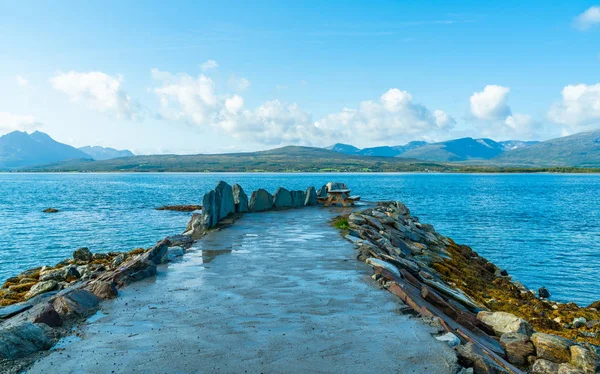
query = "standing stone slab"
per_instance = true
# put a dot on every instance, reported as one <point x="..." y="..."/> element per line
<point x="297" y="198"/>
<point x="240" y="199"/>
<point x="282" y="198"/>
<point x="261" y="200"/>
<point x="322" y="192"/>
<point x="210" y="210"/>
<point x="224" y="193"/>
<point x="311" y="197"/>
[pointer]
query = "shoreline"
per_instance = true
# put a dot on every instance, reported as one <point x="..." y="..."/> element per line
<point x="371" y="233"/>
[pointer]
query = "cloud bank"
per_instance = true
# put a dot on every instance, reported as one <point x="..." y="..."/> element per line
<point x="11" y="122"/>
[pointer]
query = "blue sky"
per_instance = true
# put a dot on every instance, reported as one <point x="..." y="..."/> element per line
<point x="135" y="75"/>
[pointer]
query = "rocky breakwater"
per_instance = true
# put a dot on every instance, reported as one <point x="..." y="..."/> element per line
<point x="494" y="324"/>
<point x="41" y="305"/>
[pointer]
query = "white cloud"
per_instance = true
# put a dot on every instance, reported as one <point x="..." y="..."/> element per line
<point x="10" y="122"/>
<point x="491" y="103"/>
<point x="210" y="64"/>
<point x="98" y="91"/>
<point x="394" y="117"/>
<point x="21" y="80"/>
<point x="588" y="19"/>
<point x="579" y="109"/>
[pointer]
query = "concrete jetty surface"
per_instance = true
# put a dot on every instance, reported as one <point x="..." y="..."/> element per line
<point x="278" y="292"/>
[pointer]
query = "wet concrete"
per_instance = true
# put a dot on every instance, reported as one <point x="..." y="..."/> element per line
<point x="279" y="292"/>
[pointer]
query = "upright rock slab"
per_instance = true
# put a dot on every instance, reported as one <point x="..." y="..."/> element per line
<point x="297" y="198"/>
<point x="224" y="194"/>
<point x="282" y="198"/>
<point x="210" y="210"/>
<point x="261" y="200"/>
<point x="240" y="199"/>
<point x="322" y="192"/>
<point x="311" y="197"/>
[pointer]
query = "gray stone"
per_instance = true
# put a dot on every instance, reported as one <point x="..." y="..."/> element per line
<point x="322" y="192"/>
<point x="75" y="302"/>
<point x="579" y="322"/>
<point x="542" y="366"/>
<point x="52" y="274"/>
<point x="450" y="339"/>
<point x="503" y="322"/>
<point x="47" y="315"/>
<point x="83" y="255"/>
<point x="13" y="310"/>
<point x="357" y="219"/>
<point x="240" y="199"/>
<point x="224" y="193"/>
<point x="551" y="347"/>
<point x="282" y="198"/>
<point x="543" y="293"/>
<point x="518" y="347"/>
<point x="174" y="252"/>
<point x="158" y="253"/>
<point x="310" y="197"/>
<point x="40" y="288"/>
<point x="183" y="241"/>
<point x="210" y="211"/>
<point x="297" y="198"/>
<point x="118" y="260"/>
<point x="472" y="355"/>
<point x="260" y="201"/>
<point x="568" y="369"/>
<point x="102" y="289"/>
<point x="22" y="340"/>
<point x="585" y="358"/>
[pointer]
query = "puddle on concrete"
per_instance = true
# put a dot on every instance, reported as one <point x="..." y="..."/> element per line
<point x="210" y="254"/>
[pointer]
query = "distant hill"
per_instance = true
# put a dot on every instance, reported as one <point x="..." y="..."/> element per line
<point x="101" y="153"/>
<point x="19" y="149"/>
<point x="343" y="148"/>
<point x="382" y="151"/>
<point x="457" y="150"/>
<point x="581" y="150"/>
<point x="286" y="159"/>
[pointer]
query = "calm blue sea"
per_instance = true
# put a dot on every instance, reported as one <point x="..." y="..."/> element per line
<point x="544" y="229"/>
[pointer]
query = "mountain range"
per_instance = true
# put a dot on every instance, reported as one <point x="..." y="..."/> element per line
<point x="39" y="152"/>
<point x="449" y="151"/>
<point x="19" y="149"/>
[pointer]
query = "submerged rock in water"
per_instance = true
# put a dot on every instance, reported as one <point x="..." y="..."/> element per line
<point x="224" y="195"/>
<point x="174" y="252"/>
<point x="261" y="200"/>
<point x="50" y="210"/>
<point x="310" y="197"/>
<point x="181" y="208"/>
<point x="282" y="198"/>
<point x="240" y="199"/>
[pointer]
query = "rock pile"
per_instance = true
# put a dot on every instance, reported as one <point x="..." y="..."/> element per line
<point x="453" y="286"/>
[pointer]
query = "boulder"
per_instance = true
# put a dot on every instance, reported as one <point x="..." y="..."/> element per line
<point x="83" y="255"/>
<point x="579" y="322"/>
<point x="118" y="260"/>
<point x="224" y="193"/>
<point x="40" y="288"/>
<point x="47" y="315"/>
<point x="282" y="198"/>
<point x="102" y="289"/>
<point x="260" y="201"/>
<point x="297" y="198"/>
<point x="210" y="210"/>
<point x="584" y="358"/>
<point x="310" y="197"/>
<point x="183" y="241"/>
<point x="22" y="340"/>
<point x="322" y="192"/>
<point x="173" y="253"/>
<point x="518" y="347"/>
<point x="542" y="366"/>
<point x="470" y="355"/>
<point x="552" y="348"/>
<point x="158" y="253"/>
<point x="449" y="338"/>
<point x="75" y="302"/>
<point x="568" y="369"/>
<point x="13" y="310"/>
<point x="543" y="293"/>
<point x="503" y="323"/>
<point x="240" y="199"/>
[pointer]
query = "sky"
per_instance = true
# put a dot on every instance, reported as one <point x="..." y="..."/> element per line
<point x="224" y="76"/>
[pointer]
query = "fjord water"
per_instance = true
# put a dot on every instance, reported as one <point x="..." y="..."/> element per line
<point x="543" y="228"/>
